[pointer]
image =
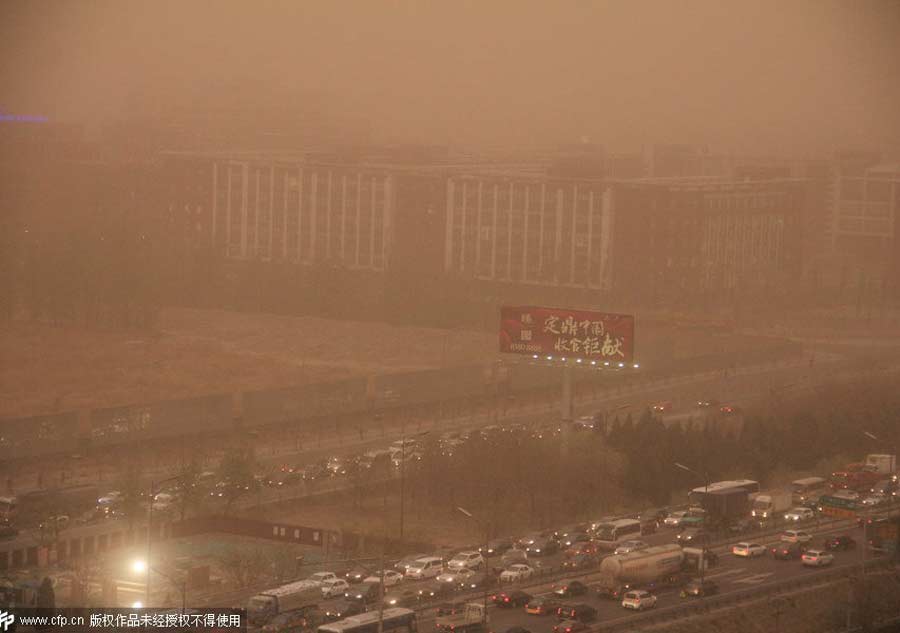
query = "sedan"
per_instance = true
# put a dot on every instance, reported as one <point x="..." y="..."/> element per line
<point x="334" y="587"/>
<point x="708" y="403"/>
<point x="355" y="575"/>
<point x="875" y="500"/>
<point x="569" y="588"/>
<point x="543" y="547"/>
<point x="700" y="588"/>
<point x="579" y="562"/>
<point x="516" y="572"/>
<point x="391" y="577"/>
<point x="817" y="558"/>
<point x="512" y="599"/>
<point x="569" y="626"/>
<point x="842" y="542"/>
<point x="748" y="550"/>
<point x="799" y="514"/>
<point x="674" y="519"/>
<point x="542" y="606"/>
<point x="456" y="576"/>
<point x="436" y="590"/>
<point x="638" y="600"/>
<point x="662" y="407"/>
<point x="729" y="409"/>
<point x="796" y="536"/>
<point x="402" y="599"/>
<point x="787" y="551"/>
<point x="497" y="546"/>
<point x="631" y="546"/>
<point x="342" y="609"/>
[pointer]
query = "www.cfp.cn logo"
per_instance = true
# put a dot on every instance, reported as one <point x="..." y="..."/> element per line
<point x="6" y="619"/>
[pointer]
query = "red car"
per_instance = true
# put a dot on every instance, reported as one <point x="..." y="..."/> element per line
<point x="662" y="407"/>
<point x="569" y="626"/>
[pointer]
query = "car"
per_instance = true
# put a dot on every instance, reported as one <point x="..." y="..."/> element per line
<point x="289" y="622"/>
<point x="630" y="546"/>
<point x="513" y="598"/>
<point x="580" y="612"/>
<point x="741" y="526"/>
<point x="355" y="575"/>
<point x="530" y="539"/>
<point x="707" y="403"/>
<point x="435" y="589"/>
<point x="852" y="495"/>
<point x="573" y="538"/>
<point x="542" y="605"/>
<point x="456" y="576"/>
<point x="515" y="573"/>
<point x="517" y="629"/>
<point x="467" y="560"/>
<point x="58" y="522"/>
<point x="799" y="513"/>
<point x="876" y="500"/>
<point x="787" y="551"/>
<point x="427" y="567"/>
<point x="512" y="557"/>
<point x="322" y="576"/>
<point x="579" y="562"/>
<point x="569" y="626"/>
<point x="638" y="600"/>
<point x="8" y="532"/>
<point x="334" y="587"/>
<point x="817" y="558"/>
<point x="673" y="520"/>
<point x="693" y="536"/>
<point x="406" y="598"/>
<point x="885" y="487"/>
<point x="110" y="498"/>
<point x="569" y="588"/>
<point x="403" y="564"/>
<point x="662" y="407"/>
<point x="729" y="409"/>
<point x="450" y="608"/>
<point x="496" y="547"/>
<point x="391" y="577"/>
<point x="343" y="608"/>
<point x="796" y="536"/>
<point x="748" y="550"/>
<point x="365" y="592"/>
<point x="839" y="542"/>
<point x="583" y="549"/>
<point x="542" y="547"/>
<point x="700" y="588"/>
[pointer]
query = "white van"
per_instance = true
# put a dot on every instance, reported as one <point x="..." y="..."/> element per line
<point x="427" y="567"/>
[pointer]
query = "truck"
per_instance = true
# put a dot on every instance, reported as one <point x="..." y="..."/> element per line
<point x="884" y="535"/>
<point x="473" y="617"/>
<point x="881" y="464"/>
<point x="302" y="595"/>
<point x="621" y="572"/>
<point x="724" y="507"/>
<point x="856" y="476"/>
<point x="838" y="507"/>
<point x="772" y="503"/>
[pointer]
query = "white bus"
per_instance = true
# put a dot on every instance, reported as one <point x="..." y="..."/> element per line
<point x="394" y="620"/>
<point x="808" y="489"/>
<point x="697" y="494"/>
<point x="612" y="533"/>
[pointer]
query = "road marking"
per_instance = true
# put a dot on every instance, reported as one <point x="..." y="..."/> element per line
<point x="738" y="570"/>
<point x="755" y="579"/>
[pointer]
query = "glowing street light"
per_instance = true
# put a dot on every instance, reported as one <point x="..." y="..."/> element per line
<point x="139" y="566"/>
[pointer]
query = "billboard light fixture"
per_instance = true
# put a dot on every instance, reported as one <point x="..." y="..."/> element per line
<point x="606" y="363"/>
<point x="563" y="359"/>
<point x="549" y="358"/>
<point x="535" y="356"/>
<point x="621" y="364"/>
<point x="636" y="366"/>
<point x="593" y="362"/>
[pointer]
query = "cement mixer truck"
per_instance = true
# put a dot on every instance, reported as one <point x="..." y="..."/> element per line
<point x="652" y="566"/>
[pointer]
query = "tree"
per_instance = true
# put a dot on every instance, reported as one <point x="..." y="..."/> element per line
<point x="237" y="473"/>
<point x="188" y="486"/>
<point x="132" y="490"/>
<point x="46" y="597"/>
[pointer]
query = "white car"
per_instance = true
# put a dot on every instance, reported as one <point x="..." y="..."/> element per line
<point x="466" y="560"/>
<point x="748" y="550"/>
<point x="796" y="536"/>
<point x="391" y="577"/>
<point x="638" y="600"/>
<point x="674" y="519"/>
<point x="110" y="498"/>
<point x="799" y="514"/>
<point x="335" y="587"/>
<point x="817" y="558"/>
<point x="427" y="567"/>
<point x="456" y="575"/>
<point x="631" y="546"/>
<point x="514" y="573"/>
<point x="875" y="500"/>
<point x="323" y="576"/>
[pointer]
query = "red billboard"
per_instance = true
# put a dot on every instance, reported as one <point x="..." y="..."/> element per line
<point x="592" y="336"/>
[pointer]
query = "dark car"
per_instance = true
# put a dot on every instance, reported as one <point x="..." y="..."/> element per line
<point x="365" y="592"/>
<point x="517" y="629"/>
<point x="342" y="609"/>
<point x="513" y="598"/>
<point x="406" y="598"/>
<point x="496" y="547"/>
<point x="707" y="403"/>
<point x="580" y="612"/>
<point x="356" y="575"/>
<point x="787" y="551"/>
<point x="583" y="549"/>
<point x="314" y="472"/>
<point x="450" y="608"/>
<point x="543" y="605"/>
<point x="579" y="561"/>
<point x="729" y="409"/>
<point x="839" y="542"/>
<point x="698" y="588"/>
<point x="436" y="589"/>
<point x="569" y="588"/>
<point x="478" y="581"/>
<point x="8" y="532"/>
<point x="693" y="536"/>
<point x="569" y="626"/>
<point x="542" y="547"/>
<point x="569" y="540"/>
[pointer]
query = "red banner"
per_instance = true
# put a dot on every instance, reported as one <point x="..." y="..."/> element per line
<point x="591" y="336"/>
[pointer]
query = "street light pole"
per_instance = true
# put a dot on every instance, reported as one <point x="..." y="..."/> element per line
<point x="705" y="477"/>
<point x="153" y="487"/>
<point x="487" y="539"/>
<point x="402" y="472"/>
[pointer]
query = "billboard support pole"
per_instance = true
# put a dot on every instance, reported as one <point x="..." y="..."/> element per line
<point x="566" y="408"/>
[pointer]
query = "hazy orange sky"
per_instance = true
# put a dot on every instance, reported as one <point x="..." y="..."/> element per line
<point x="791" y="75"/>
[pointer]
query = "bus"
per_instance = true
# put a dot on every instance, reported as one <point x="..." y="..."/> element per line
<point x="808" y="490"/>
<point x="612" y="533"/>
<point x="9" y="507"/>
<point x="696" y="496"/>
<point x="394" y="620"/>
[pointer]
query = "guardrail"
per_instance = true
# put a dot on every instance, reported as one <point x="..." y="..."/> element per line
<point x="720" y="601"/>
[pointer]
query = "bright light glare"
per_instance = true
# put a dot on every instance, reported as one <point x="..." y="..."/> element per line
<point x="139" y="566"/>
<point x="137" y="605"/>
<point x="636" y="365"/>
